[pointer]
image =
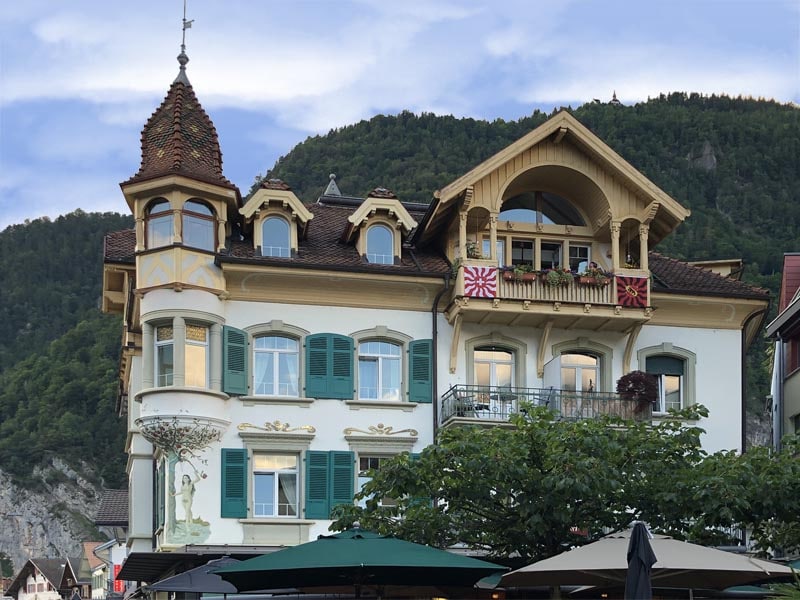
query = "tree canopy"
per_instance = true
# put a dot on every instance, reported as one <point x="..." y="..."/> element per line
<point x="542" y="486"/>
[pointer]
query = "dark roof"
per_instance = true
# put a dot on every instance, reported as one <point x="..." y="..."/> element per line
<point x="152" y="566"/>
<point x="113" y="509"/>
<point x="51" y="568"/>
<point x="323" y="249"/>
<point x="119" y="246"/>
<point x="275" y="184"/>
<point x="671" y="276"/>
<point x="180" y="139"/>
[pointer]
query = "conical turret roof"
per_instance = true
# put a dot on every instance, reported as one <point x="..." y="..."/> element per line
<point x="180" y="139"/>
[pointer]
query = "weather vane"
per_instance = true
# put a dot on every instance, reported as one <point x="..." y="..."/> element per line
<point x="186" y="25"/>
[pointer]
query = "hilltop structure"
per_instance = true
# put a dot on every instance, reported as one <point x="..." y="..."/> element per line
<point x="275" y="351"/>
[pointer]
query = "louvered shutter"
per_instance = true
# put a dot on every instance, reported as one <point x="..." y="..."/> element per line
<point x="341" y="364"/>
<point x="317" y="484"/>
<point x="234" y="361"/>
<point x="420" y="371"/>
<point x="317" y="360"/>
<point x="234" y="483"/>
<point x="342" y="477"/>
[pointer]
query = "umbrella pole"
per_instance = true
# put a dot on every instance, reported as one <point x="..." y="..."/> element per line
<point x="555" y="592"/>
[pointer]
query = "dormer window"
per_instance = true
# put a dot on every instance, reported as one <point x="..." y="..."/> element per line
<point x="159" y="224"/>
<point x="275" y="238"/>
<point x="380" y="245"/>
<point x="198" y="225"/>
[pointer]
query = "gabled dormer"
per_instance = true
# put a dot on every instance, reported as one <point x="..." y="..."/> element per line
<point x="379" y="227"/>
<point x="277" y="218"/>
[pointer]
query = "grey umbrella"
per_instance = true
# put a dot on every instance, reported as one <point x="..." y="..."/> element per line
<point x="641" y="559"/>
<point x="200" y="579"/>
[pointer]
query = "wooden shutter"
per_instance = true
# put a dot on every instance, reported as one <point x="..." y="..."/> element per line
<point x="341" y="365"/>
<point x="234" y="483"/>
<point x="420" y="371"/>
<point x="317" y="484"/>
<point x="342" y="477"/>
<point x="234" y="361"/>
<point x="317" y="361"/>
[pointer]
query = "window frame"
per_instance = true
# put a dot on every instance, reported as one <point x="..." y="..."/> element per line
<point x="381" y="333"/>
<point x="276" y="328"/>
<point x="276" y="472"/>
<point x="380" y="359"/>
<point x="157" y="345"/>
<point x="603" y="353"/>
<point x="385" y="259"/>
<point x="689" y="358"/>
<point x="288" y="232"/>
<point x="189" y="216"/>
<point x="154" y="219"/>
<point x="518" y="349"/>
<point x="206" y="353"/>
<point x="276" y="354"/>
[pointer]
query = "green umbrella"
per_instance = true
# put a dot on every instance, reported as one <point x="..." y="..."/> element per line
<point x="356" y="558"/>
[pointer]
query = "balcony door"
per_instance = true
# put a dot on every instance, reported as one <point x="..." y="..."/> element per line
<point x="580" y="373"/>
<point x="494" y="367"/>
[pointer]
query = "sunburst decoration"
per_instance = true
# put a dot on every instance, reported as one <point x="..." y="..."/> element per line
<point x="381" y="429"/>
<point x="277" y="426"/>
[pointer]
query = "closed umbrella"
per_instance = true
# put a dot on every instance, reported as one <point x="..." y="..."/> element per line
<point x="640" y="561"/>
<point x="679" y="564"/>
<point x="200" y="579"/>
<point x="357" y="558"/>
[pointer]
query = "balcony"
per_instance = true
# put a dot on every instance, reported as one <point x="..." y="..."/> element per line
<point x="473" y="404"/>
<point x="504" y="300"/>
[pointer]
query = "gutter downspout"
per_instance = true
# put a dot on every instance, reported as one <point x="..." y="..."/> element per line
<point x="435" y="361"/>
<point x="758" y="313"/>
<point x="777" y="396"/>
<point x="109" y="563"/>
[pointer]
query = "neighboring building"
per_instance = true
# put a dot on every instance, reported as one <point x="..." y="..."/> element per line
<point x="274" y="352"/>
<point x="785" y="329"/>
<point x="44" y="579"/>
<point x="112" y="519"/>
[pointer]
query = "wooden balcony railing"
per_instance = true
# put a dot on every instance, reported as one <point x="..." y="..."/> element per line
<point x="496" y="404"/>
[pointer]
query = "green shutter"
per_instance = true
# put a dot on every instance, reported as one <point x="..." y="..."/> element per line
<point x="341" y="365"/>
<point x="234" y="483"/>
<point x="664" y="365"/>
<point x="420" y="371"/>
<point x="342" y="477"/>
<point x="234" y="361"/>
<point x="317" y="482"/>
<point x="317" y="351"/>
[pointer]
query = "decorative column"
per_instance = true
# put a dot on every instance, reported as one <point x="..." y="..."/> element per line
<point x="177" y="227"/>
<point x="221" y="235"/>
<point x="179" y="352"/>
<point x="615" y="229"/>
<point x="215" y="357"/>
<point x="493" y="238"/>
<point x="644" y="231"/>
<point x="148" y="358"/>
<point x="141" y="243"/>
<point x="462" y="235"/>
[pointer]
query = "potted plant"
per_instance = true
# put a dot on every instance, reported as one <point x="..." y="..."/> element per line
<point x="473" y="250"/>
<point x="558" y="276"/>
<point x="594" y="275"/>
<point x="519" y="273"/>
<point x="640" y="387"/>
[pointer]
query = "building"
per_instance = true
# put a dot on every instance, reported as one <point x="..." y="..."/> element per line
<point x="275" y="351"/>
<point x="45" y="579"/>
<point x="785" y="330"/>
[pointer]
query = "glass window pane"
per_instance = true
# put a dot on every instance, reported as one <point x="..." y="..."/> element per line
<point x="588" y="380"/>
<point x="196" y="333"/>
<point x="380" y="245"/>
<point x="164" y="365"/>
<point x="287" y="374"/>
<point x="522" y="252"/>
<point x="275" y="238"/>
<point x="672" y="391"/>
<point x="264" y="494"/>
<point x="390" y="379"/>
<point x="368" y="378"/>
<point x="263" y="369"/>
<point x="578" y="359"/>
<point x="198" y="232"/>
<point x="503" y="375"/>
<point x="482" y="374"/>
<point x="163" y="333"/>
<point x="159" y="231"/>
<point x="551" y="255"/>
<point x="195" y="365"/>
<point x="568" y="379"/>
<point x="578" y="258"/>
<point x="198" y="207"/>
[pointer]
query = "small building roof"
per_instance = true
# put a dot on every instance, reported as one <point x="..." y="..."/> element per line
<point x="113" y="509"/>
<point x="671" y="276"/>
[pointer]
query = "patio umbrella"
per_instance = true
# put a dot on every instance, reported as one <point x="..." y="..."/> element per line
<point x="356" y="558"/>
<point x="199" y="579"/>
<point x="640" y="561"/>
<point x="679" y="564"/>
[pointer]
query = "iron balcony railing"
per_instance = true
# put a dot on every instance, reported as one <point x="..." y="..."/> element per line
<point x="497" y="404"/>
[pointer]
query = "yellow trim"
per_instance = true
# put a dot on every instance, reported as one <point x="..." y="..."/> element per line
<point x="371" y="205"/>
<point x="706" y="312"/>
<point x="291" y="204"/>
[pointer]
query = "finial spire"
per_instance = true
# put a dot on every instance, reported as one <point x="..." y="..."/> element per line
<point x="183" y="58"/>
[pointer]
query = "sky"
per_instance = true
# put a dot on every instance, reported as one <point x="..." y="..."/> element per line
<point x="79" y="78"/>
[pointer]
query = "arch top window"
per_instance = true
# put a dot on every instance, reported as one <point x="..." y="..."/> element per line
<point x="379" y="365"/>
<point x="198" y="225"/>
<point x="380" y="245"/>
<point x="275" y="238"/>
<point x="159" y="223"/>
<point x="540" y="207"/>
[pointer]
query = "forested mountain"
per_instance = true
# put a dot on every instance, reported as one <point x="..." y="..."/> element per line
<point x="734" y="162"/>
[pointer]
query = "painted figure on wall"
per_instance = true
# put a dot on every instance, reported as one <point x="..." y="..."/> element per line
<point x="189" y="527"/>
<point x="186" y="493"/>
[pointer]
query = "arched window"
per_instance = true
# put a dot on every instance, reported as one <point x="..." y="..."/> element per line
<point x="494" y="367"/>
<point x="580" y="372"/>
<point x="198" y="226"/>
<point x="159" y="224"/>
<point x="380" y="245"/>
<point x="275" y="238"/>
<point x="540" y="207"/>
<point x="276" y="366"/>
<point x="674" y="368"/>
<point x="379" y="366"/>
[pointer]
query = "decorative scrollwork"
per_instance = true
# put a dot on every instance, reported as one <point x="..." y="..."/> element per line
<point x="380" y="429"/>
<point x="179" y="435"/>
<point x="277" y="426"/>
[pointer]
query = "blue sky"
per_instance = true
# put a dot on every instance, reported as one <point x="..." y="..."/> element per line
<point x="78" y="78"/>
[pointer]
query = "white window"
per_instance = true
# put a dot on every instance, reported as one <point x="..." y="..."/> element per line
<point x="551" y="255"/>
<point x="196" y="356"/>
<point x="669" y="372"/>
<point x="580" y="373"/>
<point x="164" y="355"/>
<point x="579" y="257"/>
<point x="276" y="366"/>
<point x="379" y="367"/>
<point x="494" y="367"/>
<point x="367" y="465"/>
<point x="380" y="245"/>
<point x="275" y="238"/>
<point x="274" y="485"/>
<point x="198" y="226"/>
<point x="159" y="224"/>
<point x="500" y="249"/>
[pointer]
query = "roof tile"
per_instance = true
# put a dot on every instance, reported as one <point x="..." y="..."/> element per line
<point x="113" y="509"/>
<point x="672" y="276"/>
